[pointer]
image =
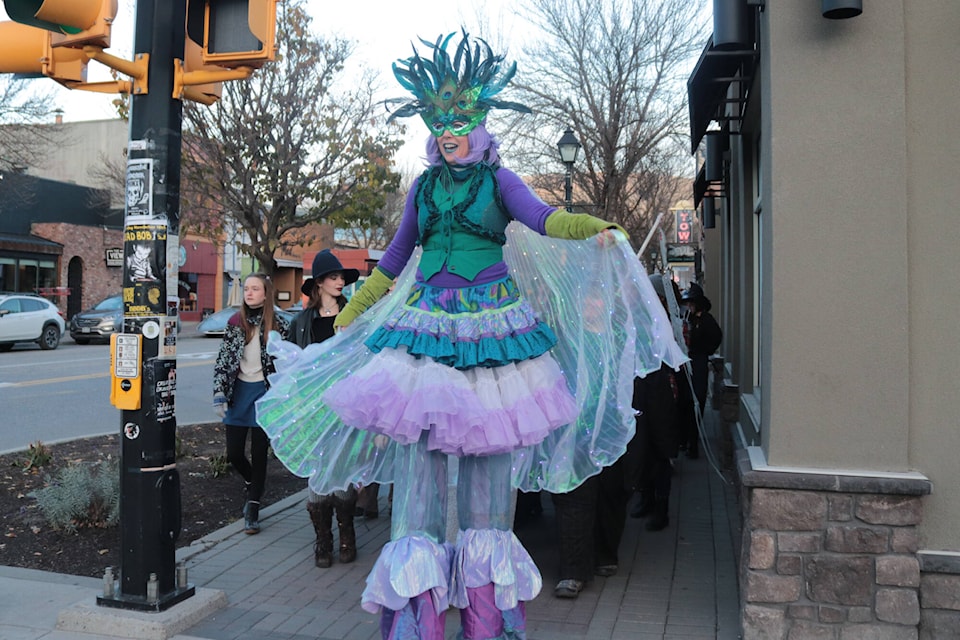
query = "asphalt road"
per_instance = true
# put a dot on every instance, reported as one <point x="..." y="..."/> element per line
<point x="58" y="395"/>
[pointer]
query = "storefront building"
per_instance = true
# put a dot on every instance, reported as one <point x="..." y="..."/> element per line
<point x="826" y="190"/>
<point x="57" y="239"/>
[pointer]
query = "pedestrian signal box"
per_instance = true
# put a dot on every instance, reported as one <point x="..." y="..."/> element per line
<point x="125" y="366"/>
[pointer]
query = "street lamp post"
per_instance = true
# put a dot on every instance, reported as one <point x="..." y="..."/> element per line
<point x="569" y="147"/>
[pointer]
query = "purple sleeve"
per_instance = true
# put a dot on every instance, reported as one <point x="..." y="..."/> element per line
<point x="522" y="203"/>
<point x="401" y="247"/>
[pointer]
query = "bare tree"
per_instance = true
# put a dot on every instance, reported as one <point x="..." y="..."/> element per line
<point x="296" y="144"/>
<point x="24" y="136"/>
<point x="614" y="72"/>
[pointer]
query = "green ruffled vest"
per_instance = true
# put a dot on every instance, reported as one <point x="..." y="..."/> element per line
<point x="463" y="229"/>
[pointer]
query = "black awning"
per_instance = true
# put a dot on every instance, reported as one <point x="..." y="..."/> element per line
<point x="708" y="84"/>
<point x="31" y="243"/>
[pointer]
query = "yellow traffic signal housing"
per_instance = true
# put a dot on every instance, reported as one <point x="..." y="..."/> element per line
<point x="75" y="23"/>
<point x="28" y="51"/>
<point x="206" y="93"/>
<point x="234" y="33"/>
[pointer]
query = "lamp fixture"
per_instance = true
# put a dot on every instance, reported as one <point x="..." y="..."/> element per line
<point x="841" y="9"/>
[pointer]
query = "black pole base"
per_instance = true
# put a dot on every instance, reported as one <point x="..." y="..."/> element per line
<point x="136" y="603"/>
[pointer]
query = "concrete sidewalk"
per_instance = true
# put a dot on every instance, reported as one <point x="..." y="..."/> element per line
<point x="679" y="583"/>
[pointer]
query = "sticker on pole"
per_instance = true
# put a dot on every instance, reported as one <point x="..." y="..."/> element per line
<point x="139" y="187"/>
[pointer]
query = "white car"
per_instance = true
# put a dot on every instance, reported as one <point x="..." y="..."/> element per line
<point x="28" y="318"/>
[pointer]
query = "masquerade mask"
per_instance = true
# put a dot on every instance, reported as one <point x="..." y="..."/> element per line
<point x="453" y="94"/>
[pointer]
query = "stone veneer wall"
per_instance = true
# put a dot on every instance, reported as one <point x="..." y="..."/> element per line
<point x="939" y="595"/>
<point x="833" y="557"/>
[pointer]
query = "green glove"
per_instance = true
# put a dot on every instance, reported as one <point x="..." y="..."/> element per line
<point x="576" y="226"/>
<point x="377" y="284"/>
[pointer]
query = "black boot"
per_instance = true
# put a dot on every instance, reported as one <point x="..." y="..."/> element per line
<point x="321" y="515"/>
<point x="251" y="517"/>
<point x="644" y="506"/>
<point x="346" y="507"/>
<point x="348" y="535"/>
<point x="660" y="519"/>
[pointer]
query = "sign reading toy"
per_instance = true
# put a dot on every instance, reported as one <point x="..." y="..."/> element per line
<point x="684" y="225"/>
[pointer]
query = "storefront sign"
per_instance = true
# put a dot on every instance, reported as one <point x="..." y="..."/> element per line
<point x="684" y="225"/>
<point x="113" y="256"/>
<point x="681" y="252"/>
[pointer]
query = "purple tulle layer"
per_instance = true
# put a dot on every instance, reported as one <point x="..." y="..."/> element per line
<point x="482" y="411"/>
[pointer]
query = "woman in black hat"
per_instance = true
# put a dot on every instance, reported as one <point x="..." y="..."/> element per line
<point x="703" y="336"/>
<point x="315" y="324"/>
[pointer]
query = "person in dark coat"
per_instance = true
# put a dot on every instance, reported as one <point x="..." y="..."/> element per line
<point x="703" y="336"/>
<point x="315" y="324"/>
<point x="658" y="437"/>
<point x="240" y="377"/>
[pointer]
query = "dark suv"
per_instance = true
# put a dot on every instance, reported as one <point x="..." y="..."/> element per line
<point x="98" y="323"/>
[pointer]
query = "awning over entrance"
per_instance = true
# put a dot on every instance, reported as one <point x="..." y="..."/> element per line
<point x="709" y="84"/>
<point x="30" y="244"/>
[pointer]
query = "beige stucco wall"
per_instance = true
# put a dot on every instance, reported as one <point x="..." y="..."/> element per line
<point x="933" y="188"/>
<point x="860" y="297"/>
<point x="836" y="322"/>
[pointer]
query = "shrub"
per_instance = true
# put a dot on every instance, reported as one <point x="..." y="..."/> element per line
<point x="82" y="495"/>
<point x="38" y="455"/>
<point x="219" y="465"/>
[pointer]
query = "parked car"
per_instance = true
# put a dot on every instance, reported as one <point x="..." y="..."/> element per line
<point x="25" y="317"/>
<point x="99" y="322"/>
<point x="215" y="324"/>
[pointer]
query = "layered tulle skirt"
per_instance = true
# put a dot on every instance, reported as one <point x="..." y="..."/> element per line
<point x="470" y="366"/>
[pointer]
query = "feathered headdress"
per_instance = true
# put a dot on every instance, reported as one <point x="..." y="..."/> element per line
<point x="453" y="93"/>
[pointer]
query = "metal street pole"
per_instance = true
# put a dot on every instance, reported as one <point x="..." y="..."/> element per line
<point x="568" y="187"/>
<point x="144" y="356"/>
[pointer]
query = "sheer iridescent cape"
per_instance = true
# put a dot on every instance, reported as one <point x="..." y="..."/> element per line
<point x="611" y="328"/>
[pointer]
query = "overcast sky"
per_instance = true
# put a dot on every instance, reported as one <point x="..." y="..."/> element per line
<point x="382" y="30"/>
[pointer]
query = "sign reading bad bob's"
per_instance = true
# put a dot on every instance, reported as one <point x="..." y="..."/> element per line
<point x="144" y="248"/>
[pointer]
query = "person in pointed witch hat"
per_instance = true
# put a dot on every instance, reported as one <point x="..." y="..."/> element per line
<point x="324" y="288"/>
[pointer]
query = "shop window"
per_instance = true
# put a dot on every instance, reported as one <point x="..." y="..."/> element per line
<point x="29" y="276"/>
<point x="8" y="274"/>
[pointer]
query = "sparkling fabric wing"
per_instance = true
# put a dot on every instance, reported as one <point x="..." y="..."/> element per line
<point x="305" y="434"/>
<point x="611" y="328"/>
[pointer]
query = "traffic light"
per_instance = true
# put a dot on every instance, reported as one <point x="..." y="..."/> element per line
<point x="234" y="33"/>
<point x="28" y="52"/>
<point x="206" y="93"/>
<point x="74" y="23"/>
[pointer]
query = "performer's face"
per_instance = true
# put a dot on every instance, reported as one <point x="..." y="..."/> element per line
<point x="453" y="147"/>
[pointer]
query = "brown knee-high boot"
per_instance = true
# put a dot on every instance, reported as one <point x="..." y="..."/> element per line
<point x="346" y="507"/>
<point x="321" y="515"/>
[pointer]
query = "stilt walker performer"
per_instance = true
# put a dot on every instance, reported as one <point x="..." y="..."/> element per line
<point x="511" y="340"/>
